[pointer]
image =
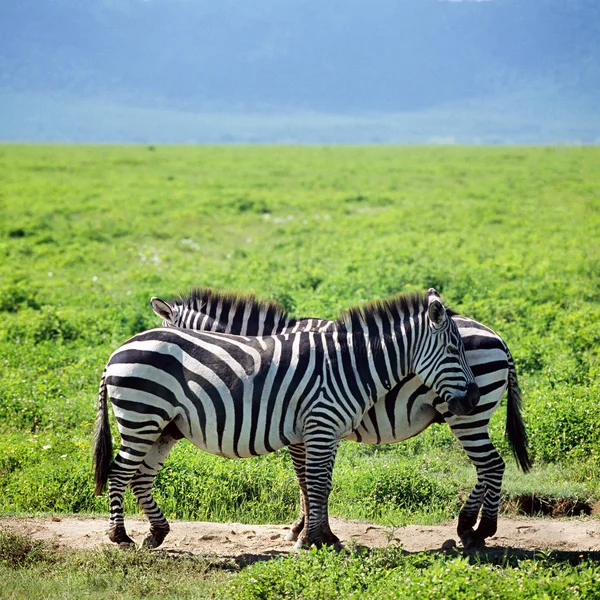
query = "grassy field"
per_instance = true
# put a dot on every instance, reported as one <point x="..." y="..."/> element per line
<point x="509" y="236"/>
<point x="34" y="572"/>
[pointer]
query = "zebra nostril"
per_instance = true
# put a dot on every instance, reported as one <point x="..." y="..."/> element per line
<point x="465" y="404"/>
<point x="473" y="394"/>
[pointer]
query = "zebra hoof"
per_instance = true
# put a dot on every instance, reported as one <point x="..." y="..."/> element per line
<point x="472" y="542"/>
<point x="323" y="539"/>
<point x="292" y="536"/>
<point x="449" y="545"/>
<point x="466" y="536"/>
<point x="475" y="545"/>
<point x="330" y="539"/>
<point x="118" y="535"/>
<point x="155" y="538"/>
<point x="151" y="542"/>
<point x="302" y="544"/>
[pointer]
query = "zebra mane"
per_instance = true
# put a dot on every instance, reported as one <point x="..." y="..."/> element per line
<point x="205" y="300"/>
<point x="396" y="306"/>
<point x="199" y="298"/>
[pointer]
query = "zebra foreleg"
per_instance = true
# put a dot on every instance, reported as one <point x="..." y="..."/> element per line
<point x="320" y="457"/>
<point x="141" y="486"/>
<point x="298" y="454"/>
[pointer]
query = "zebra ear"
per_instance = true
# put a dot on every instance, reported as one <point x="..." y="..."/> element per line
<point x="162" y="309"/>
<point x="436" y="311"/>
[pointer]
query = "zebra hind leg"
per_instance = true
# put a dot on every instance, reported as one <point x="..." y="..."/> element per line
<point x="141" y="485"/>
<point x="469" y="514"/>
<point x="122" y="470"/>
<point x="488" y="523"/>
<point x="298" y="454"/>
<point x="486" y="492"/>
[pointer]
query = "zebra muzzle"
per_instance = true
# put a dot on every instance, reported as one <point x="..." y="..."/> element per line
<point x="464" y="405"/>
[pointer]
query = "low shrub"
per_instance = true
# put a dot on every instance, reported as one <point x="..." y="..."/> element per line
<point x="560" y="424"/>
<point x="17" y="551"/>
<point x="390" y="573"/>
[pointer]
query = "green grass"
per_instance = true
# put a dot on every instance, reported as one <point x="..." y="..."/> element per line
<point x="88" y="234"/>
<point x="35" y="570"/>
<point x="390" y="573"/>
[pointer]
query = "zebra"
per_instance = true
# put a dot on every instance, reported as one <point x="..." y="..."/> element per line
<point x="403" y="412"/>
<point x="240" y="396"/>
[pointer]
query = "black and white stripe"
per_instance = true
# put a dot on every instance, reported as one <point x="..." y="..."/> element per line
<point x="243" y="396"/>
<point x="406" y="410"/>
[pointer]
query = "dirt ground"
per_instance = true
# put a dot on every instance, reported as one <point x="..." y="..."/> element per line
<point x="256" y="542"/>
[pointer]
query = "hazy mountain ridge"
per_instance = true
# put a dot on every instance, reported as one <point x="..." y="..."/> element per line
<point x="336" y="57"/>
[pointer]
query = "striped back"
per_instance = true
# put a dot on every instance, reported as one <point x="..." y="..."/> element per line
<point x="206" y="309"/>
<point x="440" y="358"/>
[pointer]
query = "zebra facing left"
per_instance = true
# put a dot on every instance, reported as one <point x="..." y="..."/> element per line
<point x="243" y="396"/>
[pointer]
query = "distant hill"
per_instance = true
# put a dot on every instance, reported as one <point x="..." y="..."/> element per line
<point x="495" y="70"/>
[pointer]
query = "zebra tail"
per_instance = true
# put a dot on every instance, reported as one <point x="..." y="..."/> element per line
<point x="515" y="428"/>
<point x="103" y="451"/>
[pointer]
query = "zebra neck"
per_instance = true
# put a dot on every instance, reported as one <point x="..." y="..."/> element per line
<point x="374" y="360"/>
<point x="385" y="351"/>
<point x="406" y="345"/>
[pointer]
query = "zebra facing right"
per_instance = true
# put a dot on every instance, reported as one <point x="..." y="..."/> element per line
<point x="243" y="396"/>
<point x="406" y="410"/>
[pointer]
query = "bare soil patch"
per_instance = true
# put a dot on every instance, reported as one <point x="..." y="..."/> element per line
<point x="530" y="505"/>
<point x="256" y="542"/>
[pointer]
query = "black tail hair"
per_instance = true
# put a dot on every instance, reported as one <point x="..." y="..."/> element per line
<point x="515" y="428"/>
<point x="103" y="451"/>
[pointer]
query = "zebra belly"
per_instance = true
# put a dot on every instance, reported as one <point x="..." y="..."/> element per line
<point x="145" y="400"/>
<point x="398" y="417"/>
<point x="228" y="450"/>
<point x="234" y="429"/>
<point x="367" y="433"/>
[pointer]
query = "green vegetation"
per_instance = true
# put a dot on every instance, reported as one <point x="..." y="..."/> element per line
<point x="33" y="570"/>
<point x="317" y="574"/>
<point x="389" y="573"/>
<point x="509" y="236"/>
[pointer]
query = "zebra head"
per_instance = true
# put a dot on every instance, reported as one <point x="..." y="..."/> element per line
<point x="442" y="362"/>
<point x="168" y="313"/>
<point x="176" y="314"/>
